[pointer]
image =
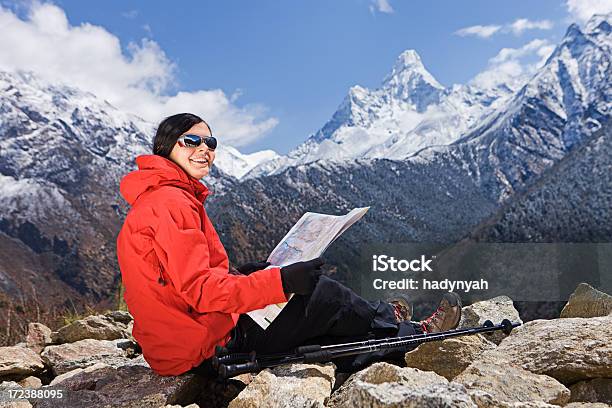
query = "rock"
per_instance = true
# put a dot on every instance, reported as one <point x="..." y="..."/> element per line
<point x="495" y="309"/>
<point x="292" y="385"/>
<point x="31" y="382"/>
<point x="510" y="383"/>
<point x="597" y="390"/>
<point x="485" y="400"/>
<point x="587" y="405"/>
<point x="120" y="316"/>
<point x="245" y="378"/>
<point x="448" y="357"/>
<point x="387" y="385"/>
<point x="586" y="301"/>
<point x="83" y="353"/>
<point x="178" y="406"/>
<point x="97" y="327"/>
<point x="63" y="377"/>
<point x="128" y="387"/>
<point x="138" y="361"/>
<point x="569" y="350"/>
<point x="131" y="348"/>
<point x="18" y="362"/>
<point x="5" y="386"/>
<point x="130" y="328"/>
<point x="38" y="336"/>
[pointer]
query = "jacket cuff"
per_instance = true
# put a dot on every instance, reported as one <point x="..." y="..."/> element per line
<point x="272" y="276"/>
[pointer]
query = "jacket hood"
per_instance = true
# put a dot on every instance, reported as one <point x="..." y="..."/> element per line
<point x="155" y="171"/>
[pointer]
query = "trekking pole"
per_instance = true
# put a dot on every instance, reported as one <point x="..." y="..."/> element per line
<point x="223" y="355"/>
<point x="318" y="354"/>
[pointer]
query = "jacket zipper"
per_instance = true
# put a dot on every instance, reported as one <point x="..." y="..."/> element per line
<point x="161" y="280"/>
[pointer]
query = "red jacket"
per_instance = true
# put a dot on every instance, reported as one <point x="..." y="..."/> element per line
<point x="175" y="270"/>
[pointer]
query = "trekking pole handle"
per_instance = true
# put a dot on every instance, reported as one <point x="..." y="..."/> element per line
<point x="231" y="358"/>
<point x="232" y="370"/>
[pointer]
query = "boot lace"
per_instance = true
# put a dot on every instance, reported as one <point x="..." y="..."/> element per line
<point x="400" y="312"/>
<point x="425" y="323"/>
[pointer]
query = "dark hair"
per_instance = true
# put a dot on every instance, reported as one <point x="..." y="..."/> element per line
<point x="170" y="129"/>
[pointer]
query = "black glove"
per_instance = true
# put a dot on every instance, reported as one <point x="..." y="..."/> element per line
<point x="301" y="277"/>
<point x="251" y="267"/>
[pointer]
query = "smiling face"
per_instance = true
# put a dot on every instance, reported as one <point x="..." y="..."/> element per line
<point x="195" y="161"/>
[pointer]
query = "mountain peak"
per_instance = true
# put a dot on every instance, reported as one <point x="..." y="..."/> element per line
<point x="409" y="68"/>
<point x="598" y="23"/>
<point x="408" y="59"/>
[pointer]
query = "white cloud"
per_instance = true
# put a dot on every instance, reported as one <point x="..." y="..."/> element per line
<point x="523" y="24"/>
<point x="582" y="10"/>
<point x="478" y="31"/>
<point x="382" y="6"/>
<point x="511" y="65"/>
<point x="506" y="54"/>
<point x="517" y="28"/>
<point x="139" y="81"/>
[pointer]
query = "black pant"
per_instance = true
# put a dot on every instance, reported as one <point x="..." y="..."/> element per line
<point x="332" y="314"/>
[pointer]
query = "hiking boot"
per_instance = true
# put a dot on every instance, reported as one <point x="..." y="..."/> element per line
<point x="401" y="307"/>
<point x="446" y="316"/>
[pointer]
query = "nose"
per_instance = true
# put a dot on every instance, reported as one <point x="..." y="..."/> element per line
<point x="203" y="147"/>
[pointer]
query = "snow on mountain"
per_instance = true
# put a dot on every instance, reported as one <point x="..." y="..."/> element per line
<point x="31" y="105"/>
<point x="545" y="145"/>
<point x="562" y="105"/>
<point x="410" y="111"/>
<point x="237" y="164"/>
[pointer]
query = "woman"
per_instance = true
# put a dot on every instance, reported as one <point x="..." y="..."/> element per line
<point x="185" y="298"/>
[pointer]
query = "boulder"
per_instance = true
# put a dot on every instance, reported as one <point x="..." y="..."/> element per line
<point x="510" y="383"/>
<point x="63" y="377"/>
<point x="569" y="350"/>
<point x="31" y="382"/>
<point x="597" y="390"/>
<point x="19" y="362"/>
<point x="129" y="387"/>
<point x="448" y="357"/>
<point x="291" y="385"/>
<point x="587" y="405"/>
<point x="495" y="309"/>
<point x="387" y="385"/>
<point x="97" y="327"/>
<point x="38" y="336"/>
<point x="13" y="403"/>
<point x="120" y="316"/>
<point x="138" y="361"/>
<point x="129" y="346"/>
<point x="586" y="301"/>
<point x="83" y="353"/>
<point x="486" y="400"/>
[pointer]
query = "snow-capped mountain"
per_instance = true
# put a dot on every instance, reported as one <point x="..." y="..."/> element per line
<point x="410" y="111"/>
<point x="432" y="162"/>
<point x="236" y="164"/>
<point x="563" y="104"/>
<point x="441" y="193"/>
<point x="62" y="153"/>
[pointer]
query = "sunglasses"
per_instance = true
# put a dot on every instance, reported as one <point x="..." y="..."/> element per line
<point x="195" y="141"/>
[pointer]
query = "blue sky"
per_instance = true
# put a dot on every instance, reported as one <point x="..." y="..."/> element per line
<point x="294" y="61"/>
